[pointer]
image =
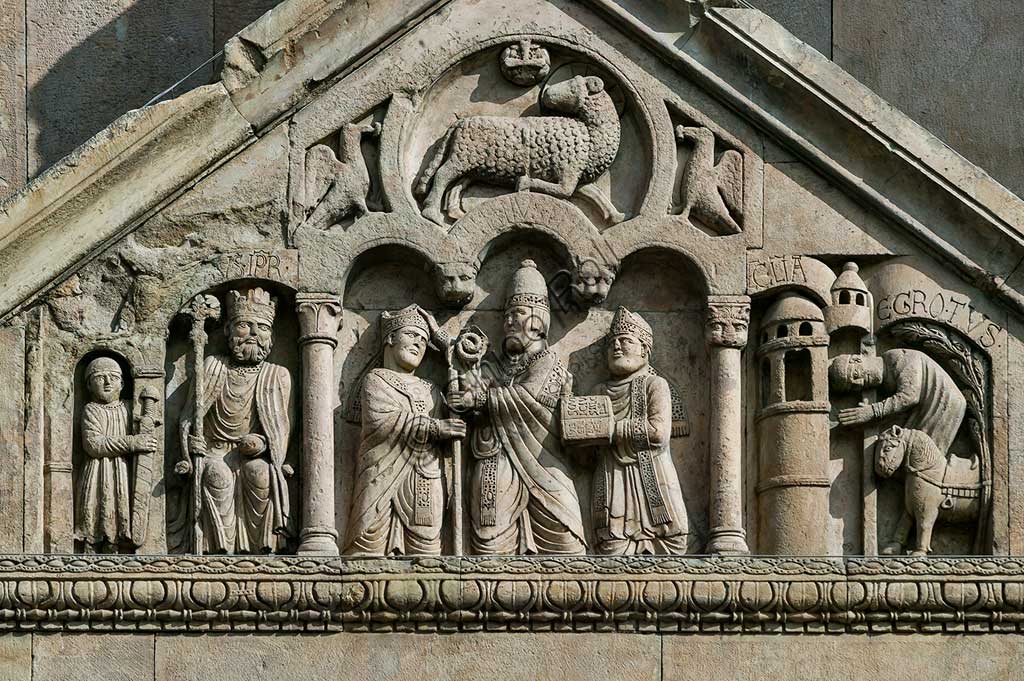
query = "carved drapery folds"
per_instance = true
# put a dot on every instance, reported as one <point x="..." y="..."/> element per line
<point x="542" y="233"/>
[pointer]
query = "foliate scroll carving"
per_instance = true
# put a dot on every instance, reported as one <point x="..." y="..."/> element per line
<point x="711" y="187"/>
<point x="728" y="320"/>
<point x="525" y="63"/>
<point x="662" y="593"/>
<point x="560" y="155"/>
<point x="235" y="432"/>
<point x="337" y="188"/>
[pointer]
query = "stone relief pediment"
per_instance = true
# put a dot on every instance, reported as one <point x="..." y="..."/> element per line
<point x="520" y="282"/>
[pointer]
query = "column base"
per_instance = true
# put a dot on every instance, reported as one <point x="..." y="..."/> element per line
<point x="728" y="542"/>
<point x="318" y="542"/>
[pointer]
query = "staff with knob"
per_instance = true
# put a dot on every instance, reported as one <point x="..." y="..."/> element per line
<point x="202" y="309"/>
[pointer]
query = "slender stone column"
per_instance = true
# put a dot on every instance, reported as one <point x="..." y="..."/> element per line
<point x="319" y="316"/>
<point x="726" y="333"/>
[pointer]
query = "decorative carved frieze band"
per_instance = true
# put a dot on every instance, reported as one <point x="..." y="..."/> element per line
<point x="666" y="594"/>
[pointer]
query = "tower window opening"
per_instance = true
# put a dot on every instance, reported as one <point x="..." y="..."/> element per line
<point x="782" y="331"/>
<point x="797" y="365"/>
<point x="861" y="300"/>
<point x="766" y="382"/>
<point x="844" y="297"/>
<point x="806" y="329"/>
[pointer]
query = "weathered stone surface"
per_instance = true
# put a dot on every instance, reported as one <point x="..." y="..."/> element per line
<point x="810" y="21"/>
<point x="13" y="161"/>
<point x="113" y="56"/>
<point x="110" y="182"/>
<point x="379" y="657"/>
<point x="959" y="92"/>
<point x="67" y="657"/>
<point x="16" y="657"/>
<point x="826" y="658"/>
<point x="12" y="444"/>
<point x="805" y="212"/>
<point x="280" y="84"/>
<point x="241" y="204"/>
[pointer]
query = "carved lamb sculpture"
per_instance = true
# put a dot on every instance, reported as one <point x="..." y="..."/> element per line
<point x="557" y="155"/>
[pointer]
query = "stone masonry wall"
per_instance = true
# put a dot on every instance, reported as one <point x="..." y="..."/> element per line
<point x="69" y="68"/>
<point x="535" y="656"/>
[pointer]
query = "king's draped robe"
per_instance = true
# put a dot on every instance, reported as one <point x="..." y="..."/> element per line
<point x="245" y="499"/>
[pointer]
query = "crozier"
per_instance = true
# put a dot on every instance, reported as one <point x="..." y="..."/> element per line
<point x="514" y="315"/>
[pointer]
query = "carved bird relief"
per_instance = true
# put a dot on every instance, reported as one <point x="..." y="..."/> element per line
<point x="336" y="189"/>
<point x="711" y="193"/>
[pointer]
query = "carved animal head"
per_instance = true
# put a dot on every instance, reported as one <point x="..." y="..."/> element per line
<point x="455" y="282"/>
<point x="573" y="96"/>
<point x="591" y="281"/>
<point x="890" y="451"/>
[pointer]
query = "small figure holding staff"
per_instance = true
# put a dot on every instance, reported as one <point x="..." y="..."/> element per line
<point x="103" y="513"/>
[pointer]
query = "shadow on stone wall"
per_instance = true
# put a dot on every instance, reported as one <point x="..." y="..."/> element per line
<point x="81" y="77"/>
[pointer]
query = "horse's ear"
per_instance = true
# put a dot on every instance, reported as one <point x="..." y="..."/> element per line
<point x="594" y="84"/>
<point x="897" y="431"/>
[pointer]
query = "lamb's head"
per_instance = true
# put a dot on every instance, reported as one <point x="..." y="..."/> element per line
<point x="890" y="450"/>
<point x="571" y="96"/>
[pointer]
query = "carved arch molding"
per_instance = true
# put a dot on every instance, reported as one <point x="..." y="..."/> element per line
<point x="513" y="347"/>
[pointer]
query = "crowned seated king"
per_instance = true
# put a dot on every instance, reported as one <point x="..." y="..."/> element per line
<point x="245" y="433"/>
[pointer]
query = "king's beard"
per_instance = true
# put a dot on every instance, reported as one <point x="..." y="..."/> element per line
<point x="248" y="351"/>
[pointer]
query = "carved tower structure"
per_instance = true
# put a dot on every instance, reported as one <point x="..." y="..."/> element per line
<point x="793" y="428"/>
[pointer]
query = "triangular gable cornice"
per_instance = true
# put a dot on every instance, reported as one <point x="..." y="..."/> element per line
<point x="738" y="54"/>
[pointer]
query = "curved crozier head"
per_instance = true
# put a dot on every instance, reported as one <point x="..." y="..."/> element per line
<point x="455" y="282"/>
<point x="889" y="451"/>
<point x="104" y="379"/>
